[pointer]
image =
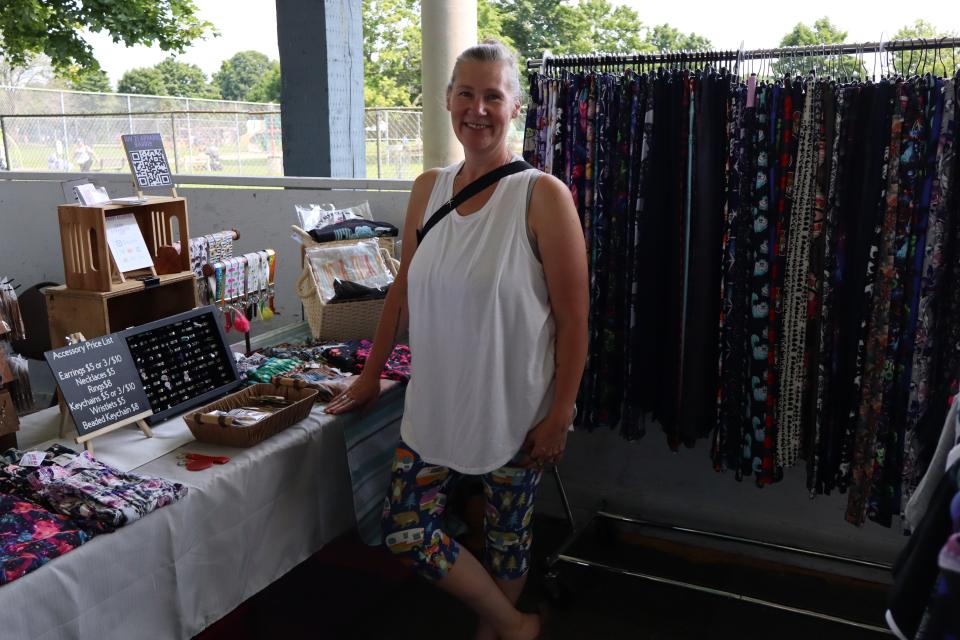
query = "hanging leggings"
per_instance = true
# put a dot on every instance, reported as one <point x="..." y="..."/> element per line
<point x="414" y="506"/>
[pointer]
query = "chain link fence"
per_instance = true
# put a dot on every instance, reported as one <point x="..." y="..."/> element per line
<point x="227" y="142"/>
<point x="48" y="130"/>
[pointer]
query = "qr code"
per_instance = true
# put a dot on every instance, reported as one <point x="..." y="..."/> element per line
<point x="150" y="167"/>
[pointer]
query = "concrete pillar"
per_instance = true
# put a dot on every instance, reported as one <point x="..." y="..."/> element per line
<point x="321" y="87"/>
<point x="448" y="27"/>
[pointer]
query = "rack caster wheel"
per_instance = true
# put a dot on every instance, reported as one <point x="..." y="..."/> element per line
<point x="555" y="590"/>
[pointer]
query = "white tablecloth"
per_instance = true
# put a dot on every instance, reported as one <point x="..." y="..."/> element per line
<point x="240" y="527"/>
<point x="125" y="449"/>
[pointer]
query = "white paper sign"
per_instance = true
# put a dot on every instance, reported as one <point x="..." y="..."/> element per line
<point x="126" y="243"/>
<point x="89" y="195"/>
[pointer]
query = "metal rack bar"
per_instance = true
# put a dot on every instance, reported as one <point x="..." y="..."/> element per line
<point x="561" y="555"/>
<point x="619" y="59"/>
<point x="725" y="594"/>
<point x="748" y="541"/>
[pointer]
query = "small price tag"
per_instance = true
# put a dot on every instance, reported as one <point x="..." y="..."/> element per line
<point x="82" y="461"/>
<point x="32" y="458"/>
<point x="63" y="459"/>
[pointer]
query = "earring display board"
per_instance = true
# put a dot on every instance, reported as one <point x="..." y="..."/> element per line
<point x="146" y="373"/>
<point x="183" y="361"/>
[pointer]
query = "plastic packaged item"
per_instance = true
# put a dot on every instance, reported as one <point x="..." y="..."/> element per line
<point x="360" y="262"/>
<point x="317" y="216"/>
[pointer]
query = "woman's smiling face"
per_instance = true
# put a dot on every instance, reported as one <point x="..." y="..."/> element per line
<point x="481" y="104"/>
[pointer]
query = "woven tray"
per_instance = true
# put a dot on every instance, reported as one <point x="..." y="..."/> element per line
<point x="284" y="417"/>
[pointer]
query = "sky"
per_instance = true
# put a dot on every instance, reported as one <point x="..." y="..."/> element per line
<point x="243" y="25"/>
<point x="761" y="24"/>
<point x="252" y="24"/>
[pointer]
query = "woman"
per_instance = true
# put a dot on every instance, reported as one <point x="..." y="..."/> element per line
<point x="495" y="298"/>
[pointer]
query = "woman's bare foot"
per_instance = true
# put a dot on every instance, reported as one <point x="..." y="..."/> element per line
<point x="485" y="631"/>
<point x="529" y="628"/>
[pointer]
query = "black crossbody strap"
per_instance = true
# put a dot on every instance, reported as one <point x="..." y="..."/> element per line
<point x="471" y="190"/>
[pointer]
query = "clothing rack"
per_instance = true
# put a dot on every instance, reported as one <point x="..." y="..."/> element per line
<point x="619" y="60"/>
<point x="615" y="62"/>
<point x="551" y="569"/>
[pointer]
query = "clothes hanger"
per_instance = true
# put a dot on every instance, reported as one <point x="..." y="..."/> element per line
<point x="910" y="73"/>
<point x="879" y="57"/>
<point x="938" y="53"/>
<point x="841" y="60"/>
<point x="924" y="54"/>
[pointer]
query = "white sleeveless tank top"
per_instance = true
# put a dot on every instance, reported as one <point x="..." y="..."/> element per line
<point x="481" y="332"/>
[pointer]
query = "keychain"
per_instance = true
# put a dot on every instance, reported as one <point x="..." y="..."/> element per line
<point x="230" y="291"/>
<point x="271" y="309"/>
<point x="264" y="282"/>
<point x="253" y="287"/>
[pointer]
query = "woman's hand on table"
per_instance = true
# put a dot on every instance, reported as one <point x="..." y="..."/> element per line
<point x="360" y="395"/>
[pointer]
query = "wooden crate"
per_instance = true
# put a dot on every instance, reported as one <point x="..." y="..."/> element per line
<point x="97" y="313"/>
<point x="86" y="256"/>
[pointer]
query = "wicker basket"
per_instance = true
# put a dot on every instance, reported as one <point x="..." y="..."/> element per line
<point x="303" y="400"/>
<point x="342" y="320"/>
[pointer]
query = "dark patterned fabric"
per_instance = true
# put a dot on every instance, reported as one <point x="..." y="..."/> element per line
<point x="867" y="445"/>
<point x="350" y="357"/>
<point x="767" y="263"/>
<point x="94" y="495"/>
<point x="31" y="536"/>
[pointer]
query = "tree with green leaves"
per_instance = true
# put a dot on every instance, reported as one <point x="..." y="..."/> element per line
<point x="598" y="26"/>
<point x="55" y="28"/>
<point x="168" y="78"/>
<point x="391" y="37"/>
<point x="147" y="81"/>
<point x="91" y="79"/>
<point x="663" y="38"/>
<point x="239" y="73"/>
<point x="534" y="26"/>
<point x="941" y="62"/>
<point x="391" y="53"/>
<point x="823" y="32"/>
<point x="267" y="87"/>
<point x="490" y="23"/>
<point x="586" y="26"/>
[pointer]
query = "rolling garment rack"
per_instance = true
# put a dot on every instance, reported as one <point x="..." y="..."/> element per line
<point x="603" y="61"/>
<point x="735" y="60"/>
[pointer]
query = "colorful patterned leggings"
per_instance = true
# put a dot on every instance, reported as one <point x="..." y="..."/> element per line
<point x="415" y="503"/>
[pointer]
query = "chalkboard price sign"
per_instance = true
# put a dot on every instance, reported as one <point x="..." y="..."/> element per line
<point x="99" y="382"/>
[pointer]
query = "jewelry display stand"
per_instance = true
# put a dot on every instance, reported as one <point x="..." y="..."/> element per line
<point x="87" y="262"/>
<point x="97" y="298"/>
